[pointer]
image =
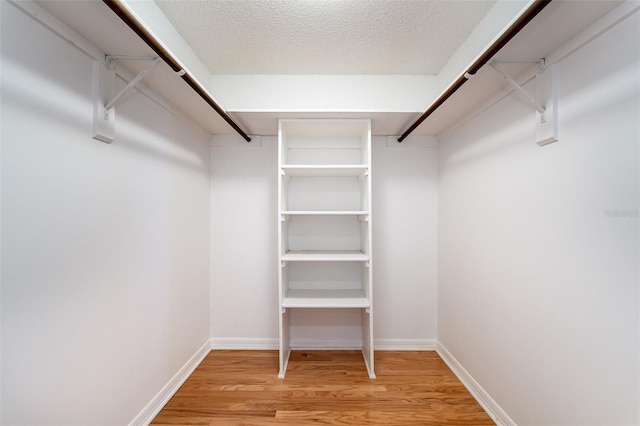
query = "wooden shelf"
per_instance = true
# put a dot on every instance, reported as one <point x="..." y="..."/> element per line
<point x="325" y="256"/>
<point x="325" y="170"/>
<point x="325" y="299"/>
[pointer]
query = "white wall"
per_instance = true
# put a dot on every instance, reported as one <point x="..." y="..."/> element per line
<point x="244" y="245"/>
<point x="405" y="207"/>
<point x="244" y="275"/>
<point x="538" y="247"/>
<point x="105" y="264"/>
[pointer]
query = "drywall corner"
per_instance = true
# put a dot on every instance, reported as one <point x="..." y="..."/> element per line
<point x="151" y="410"/>
<point x="483" y="398"/>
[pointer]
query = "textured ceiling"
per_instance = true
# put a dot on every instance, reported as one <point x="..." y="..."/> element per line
<point x="325" y="36"/>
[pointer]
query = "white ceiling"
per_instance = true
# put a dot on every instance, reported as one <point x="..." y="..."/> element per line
<point x="325" y="36"/>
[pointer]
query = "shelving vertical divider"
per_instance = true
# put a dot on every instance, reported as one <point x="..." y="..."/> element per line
<point x="324" y="224"/>
<point x="367" y="314"/>
<point x="284" y="350"/>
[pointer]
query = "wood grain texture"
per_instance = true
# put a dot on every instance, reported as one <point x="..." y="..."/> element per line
<point x="322" y="388"/>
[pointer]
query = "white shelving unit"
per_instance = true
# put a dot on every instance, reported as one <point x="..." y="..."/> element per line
<point x="324" y="228"/>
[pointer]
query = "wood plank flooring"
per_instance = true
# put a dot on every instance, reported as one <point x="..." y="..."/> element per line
<point x="322" y="387"/>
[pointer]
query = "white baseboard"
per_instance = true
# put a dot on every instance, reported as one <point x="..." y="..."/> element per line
<point x="241" y="343"/>
<point x="497" y="414"/>
<point x="234" y="343"/>
<point x="484" y="399"/>
<point x="405" y="344"/>
<point x="157" y="402"/>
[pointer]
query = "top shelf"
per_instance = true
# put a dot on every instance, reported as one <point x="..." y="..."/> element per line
<point x="336" y="142"/>
<point x="324" y="170"/>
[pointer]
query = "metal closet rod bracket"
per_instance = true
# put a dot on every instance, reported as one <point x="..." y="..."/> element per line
<point x="514" y="84"/>
<point x="105" y="97"/>
<point x="137" y="79"/>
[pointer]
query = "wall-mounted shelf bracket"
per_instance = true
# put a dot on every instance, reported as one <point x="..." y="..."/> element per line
<point x="514" y="84"/>
<point x="284" y="310"/>
<point x="284" y="217"/>
<point x="104" y="83"/>
<point x="137" y="79"/>
<point x="283" y="264"/>
<point x="363" y="217"/>
<point x="547" y="95"/>
<point x="545" y="101"/>
<point x="105" y="98"/>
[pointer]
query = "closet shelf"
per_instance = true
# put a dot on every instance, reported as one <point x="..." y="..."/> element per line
<point x="324" y="170"/>
<point x="324" y="244"/>
<point x="296" y="298"/>
<point x="325" y="256"/>
<point x="326" y="212"/>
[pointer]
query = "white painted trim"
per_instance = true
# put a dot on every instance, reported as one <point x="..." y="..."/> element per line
<point x="156" y="404"/>
<point x="497" y="414"/>
<point x="241" y="343"/>
<point x="405" y="344"/>
<point x="151" y="410"/>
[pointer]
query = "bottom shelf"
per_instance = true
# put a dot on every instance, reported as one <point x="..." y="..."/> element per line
<point x="284" y="363"/>
<point x="326" y="328"/>
<point x="296" y="298"/>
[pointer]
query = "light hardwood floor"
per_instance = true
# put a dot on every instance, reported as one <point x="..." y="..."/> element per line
<point x="322" y="387"/>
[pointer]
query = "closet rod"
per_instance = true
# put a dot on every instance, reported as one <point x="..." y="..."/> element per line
<point x="119" y="9"/>
<point x="500" y="42"/>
